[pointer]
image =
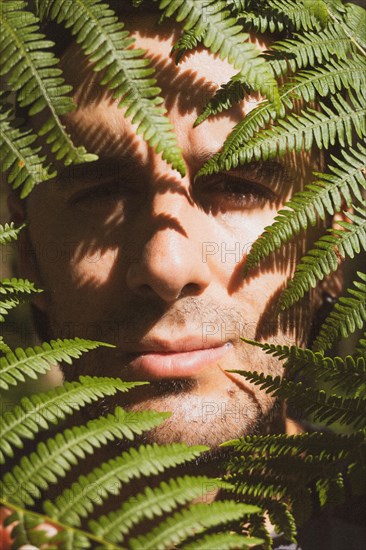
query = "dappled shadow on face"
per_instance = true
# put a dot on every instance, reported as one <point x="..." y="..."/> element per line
<point x="294" y="322"/>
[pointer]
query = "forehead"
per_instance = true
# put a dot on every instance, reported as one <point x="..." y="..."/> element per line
<point x="186" y="88"/>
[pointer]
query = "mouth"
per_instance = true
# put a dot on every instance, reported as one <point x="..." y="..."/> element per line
<point x="159" y="364"/>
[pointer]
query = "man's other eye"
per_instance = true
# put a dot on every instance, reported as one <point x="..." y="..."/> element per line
<point x="100" y="196"/>
<point x="233" y="192"/>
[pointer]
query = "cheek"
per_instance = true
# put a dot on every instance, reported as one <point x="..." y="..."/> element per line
<point x="92" y="266"/>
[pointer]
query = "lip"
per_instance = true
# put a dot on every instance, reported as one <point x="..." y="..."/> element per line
<point x="178" y="363"/>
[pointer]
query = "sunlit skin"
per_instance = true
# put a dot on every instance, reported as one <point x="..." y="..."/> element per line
<point x="132" y="253"/>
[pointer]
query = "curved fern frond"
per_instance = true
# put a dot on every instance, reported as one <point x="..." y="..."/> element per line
<point x="226" y="96"/>
<point x="223" y="36"/>
<point x="4" y="348"/>
<point x="324" y="257"/>
<point x="18" y="286"/>
<point x="190" y="522"/>
<point x="188" y="41"/>
<point x="126" y="71"/>
<point x="151" y="503"/>
<point x="37" y="412"/>
<point x="54" y="458"/>
<point x="327" y="79"/>
<point x="18" y="364"/>
<point x="9" y="232"/>
<point x="321" y="197"/>
<point x="348" y="314"/>
<point x="348" y="373"/>
<point x="35" y="78"/>
<point x="280" y="15"/>
<point x="226" y="540"/>
<point x="297" y="132"/>
<point x="25" y="166"/>
<point x="311" y="49"/>
<point x="324" y="408"/>
<point x="78" y="501"/>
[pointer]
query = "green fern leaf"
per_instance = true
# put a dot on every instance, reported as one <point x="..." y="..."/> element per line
<point x="18" y="364"/>
<point x="297" y="132"/>
<point x="192" y="521"/>
<point x="355" y="20"/>
<point x="13" y="285"/>
<point x="188" y="41"/>
<point x="321" y="197"/>
<point x="348" y="373"/>
<point x="324" y="408"/>
<point x="152" y="502"/>
<point x="126" y="71"/>
<point x="348" y="315"/>
<point x="327" y="79"/>
<point x="38" y="83"/>
<point x="223" y="540"/>
<point x="230" y="93"/>
<point x="311" y="49"/>
<point x="323" y="258"/>
<point x="9" y="232"/>
<point x="361" y="347"/>
<point x="223" y="36"/>
<point x="19" y="158"/>
<point x="280" y="15"/>
<point x="37" y="412"/>
<point x="4" y="348"/>
<point x="79" y="500"/>
<point x="55" y="457"/>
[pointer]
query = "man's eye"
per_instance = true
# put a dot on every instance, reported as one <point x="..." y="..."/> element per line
<point x="235" y="192"/>
<point x="100" y="195"/>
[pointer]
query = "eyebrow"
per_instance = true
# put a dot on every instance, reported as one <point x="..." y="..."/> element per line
<point x="103" y="167"/>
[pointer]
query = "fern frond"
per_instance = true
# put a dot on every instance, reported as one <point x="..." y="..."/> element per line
<point x="297" y="132"/>
<point x="325" y="195"/>
<point x="226" y="96"/>
<point x="324" y="408"/>
<point x="348" y="314"/>
<point x="177" y="528"/>
<point x="18" y="291"/>
<point x="348" y="373"/>
<point x="323" y="258"/>
<point x="35" y="78"/>
<point x="188" y="41"/>
<point x="311" y="49"/>
<point x="223" y="36"/>
<point x="18" y="364"/>
<point x="355" y="22"/>
<point x="4" y="348"/>
<point x="78" y="501"/>
<point x="126" y="71"/>
<point x="38" y="411"/>
<point x="18" y="286"/>
<point x="152" y="502"/>
<point x="361" y="346"/>
<point x="55" y="457"/>
<point x="9" y="232"/>
<point x="319" y="444"/>
<point x="25" y="166"/>
<point x="280" y="15"/>
<point x="226" y="540"/>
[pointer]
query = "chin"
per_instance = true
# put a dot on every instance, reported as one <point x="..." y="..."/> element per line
<point x="196" y="419"/>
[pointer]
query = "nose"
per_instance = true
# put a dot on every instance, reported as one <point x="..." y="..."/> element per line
<point x="169" y="260"/>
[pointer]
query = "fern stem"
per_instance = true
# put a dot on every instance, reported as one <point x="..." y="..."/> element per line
<point x="58" y="524"/>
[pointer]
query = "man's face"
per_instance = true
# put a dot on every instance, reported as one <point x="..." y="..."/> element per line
<point x="133" y="254"/>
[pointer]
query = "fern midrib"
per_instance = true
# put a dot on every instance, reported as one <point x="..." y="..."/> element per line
<point x="43" y="89"/>
<point x="63" y="526"/>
